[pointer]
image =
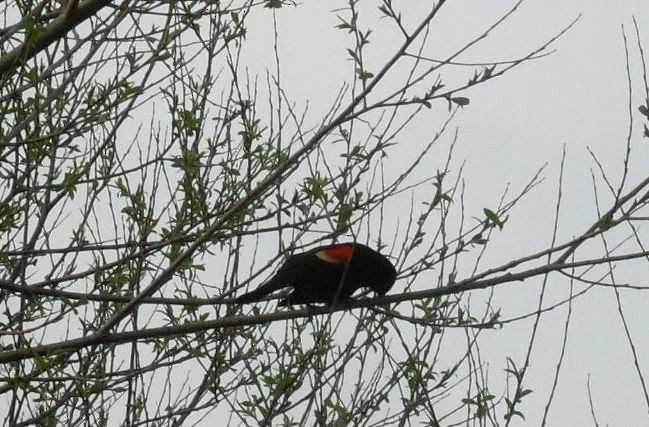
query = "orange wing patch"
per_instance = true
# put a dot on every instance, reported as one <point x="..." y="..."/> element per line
<point x="337" y="255"/>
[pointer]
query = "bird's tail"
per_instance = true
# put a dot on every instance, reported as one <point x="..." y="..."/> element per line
<point x="259" y="293"/>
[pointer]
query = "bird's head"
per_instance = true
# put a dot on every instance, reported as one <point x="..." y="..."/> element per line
<point x="379" y="272"/>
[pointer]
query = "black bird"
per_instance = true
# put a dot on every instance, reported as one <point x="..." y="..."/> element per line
<point x="328" y="274"/>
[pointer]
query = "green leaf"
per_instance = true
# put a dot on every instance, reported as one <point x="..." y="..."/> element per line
<point x="314" y="186"/>
<point x="344" y="25"/>
<point x="32" y="75"/>
<point x="273" y="4"/>
<point x="493" y="218"/>
<point x="353" y="55"/>
<point x="606" y="222"/>
<point x="97" y="387"/>
<point x="423" y="102"/>
<point x="189" y="121"/>
<point x="452" y="277"/>
<point x="644" y="109"/>
<point x="364" y="75"/>
<point x="524" y="393"/>
<point x="43" y="363"/>
<point x="344" y="217"/>
<point x="478" y="239"/>
<point x="461" y="101"/>
<point x="70" y="183"/>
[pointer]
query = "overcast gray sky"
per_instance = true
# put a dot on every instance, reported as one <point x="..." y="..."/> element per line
<point x="574" y="99"/>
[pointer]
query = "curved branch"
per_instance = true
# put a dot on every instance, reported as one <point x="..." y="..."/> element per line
<point x="68" y="19"/>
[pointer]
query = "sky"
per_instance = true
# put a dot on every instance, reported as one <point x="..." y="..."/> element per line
<point x="575" y="99"/>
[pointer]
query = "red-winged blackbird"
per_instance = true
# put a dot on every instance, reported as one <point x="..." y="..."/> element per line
<point x="328" y="274"/>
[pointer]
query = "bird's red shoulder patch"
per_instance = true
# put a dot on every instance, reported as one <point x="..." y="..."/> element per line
<point x="337" y="254"/>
